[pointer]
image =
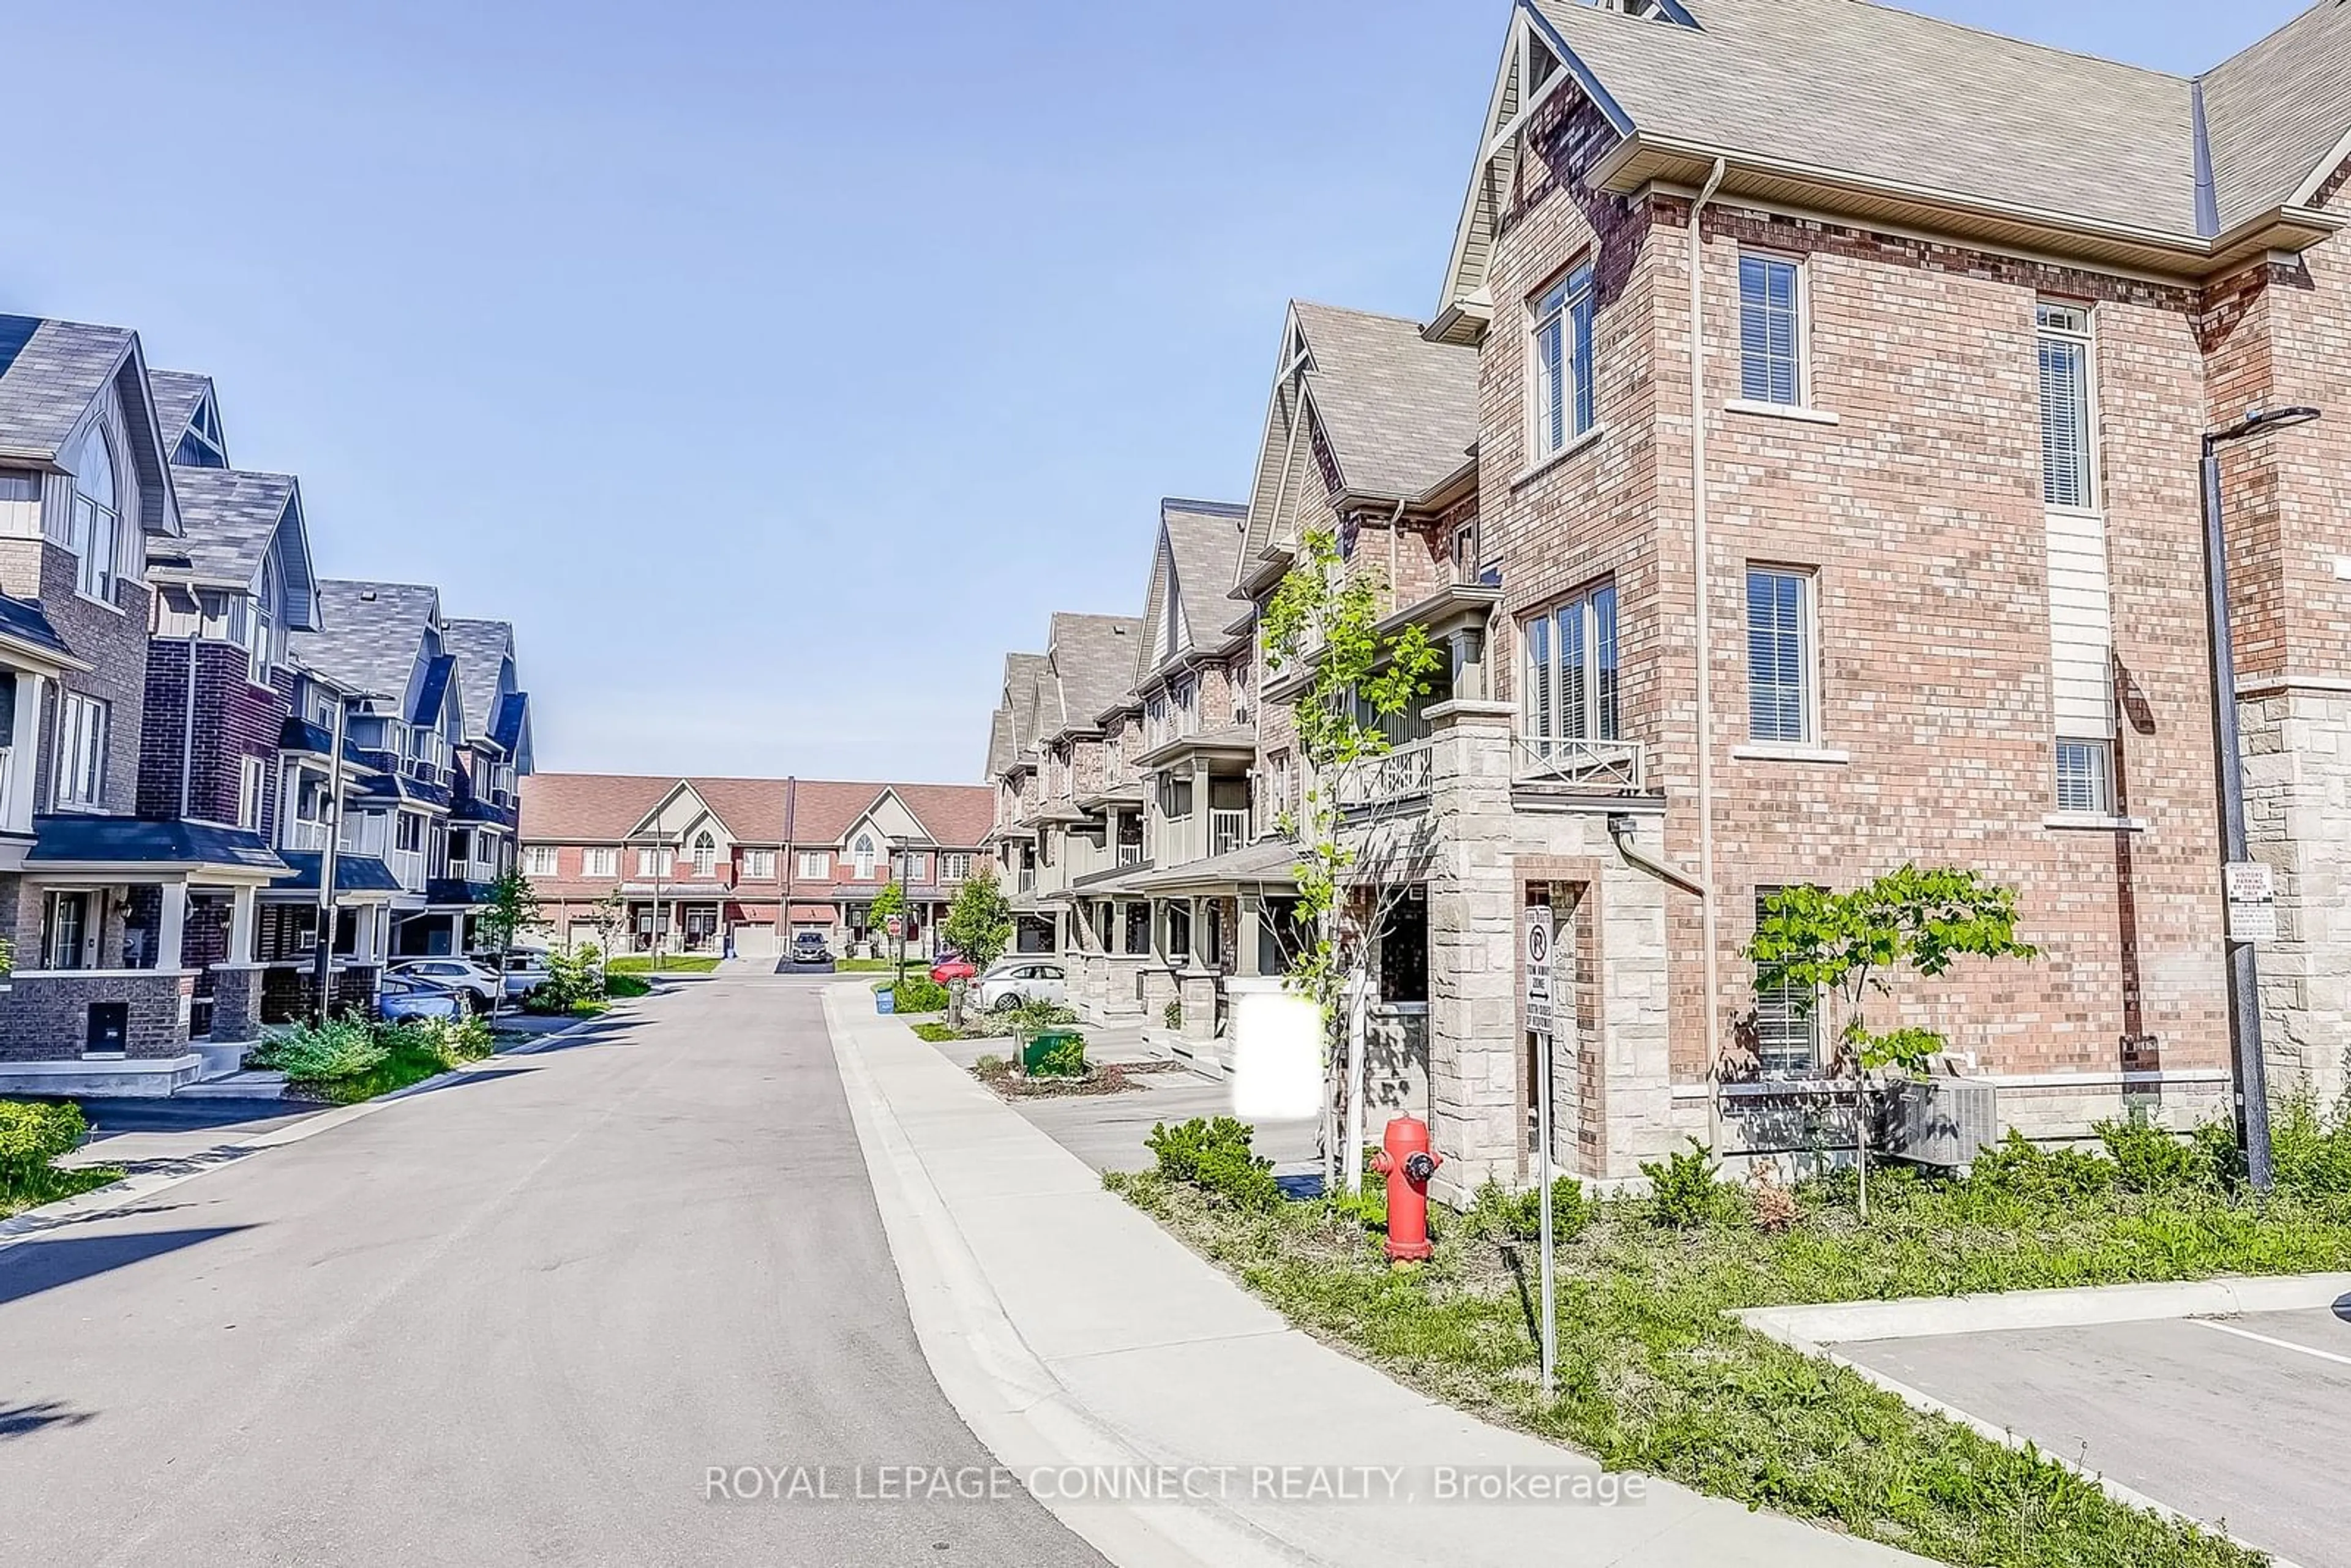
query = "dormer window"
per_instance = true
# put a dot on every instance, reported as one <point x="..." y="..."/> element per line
<point x="97" y="516"/>
<point x="200" y="445"/>
<point x="705" y="855"/>
<point x="863" y="853"/>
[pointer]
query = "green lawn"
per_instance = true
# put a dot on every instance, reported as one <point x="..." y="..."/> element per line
<point x="37" y="1187"/>
<point x="671" y="963"/>
<point x="1654" y="1377"/>
<point x="880" y="965"/>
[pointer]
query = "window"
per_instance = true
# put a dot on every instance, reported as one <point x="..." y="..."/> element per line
<point x="656" y="862"/>
<point x="864" y="853"/>
<point x="815" y="864"/>
<point x="408" y="833"/>
<point x="19" y="485"/>
<point x="1778" y="655"/>
<point x="2066" y="459"/>
<point x="461" y="844"/>
<point x="1562" y="332"/>
<point x="1403" y="951"/>
<point x="251" y="778"/>
<point x="705" y="855"/>
<point x="1771" y="328"/>
<point x="599" y="862"/>
<point x="1464" y="553"/>
<point x="68" y="936"/>
<point x="97" y="517"/>
<point x="2085" y="777"/>
<point x="954" y="867"/>
<point x="1570" y="692"/>
<point x="81" y="751"/>
<point x="1787" y="1022"/>
<point x="539" y="860"/>
<point x="759" y="864"/>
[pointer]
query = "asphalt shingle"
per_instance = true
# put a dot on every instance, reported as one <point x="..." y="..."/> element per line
<point x="369" y="634"/>
<point x="1399" y="412"/>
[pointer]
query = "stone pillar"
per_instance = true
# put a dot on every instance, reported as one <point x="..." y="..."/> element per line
<point x="237" y="1004"/>
<point x="2297" y="763"/>
<point x="1473" y="1025"/>
<point x="171" y="928"/>
<point x="1158" y="991"/>
<point x="1196" y="989"/>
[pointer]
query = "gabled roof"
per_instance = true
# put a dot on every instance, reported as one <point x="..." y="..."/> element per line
<point x="50" y="374"/>
<point x="1092" y="658"/>
<point x="1192" y="568"/>
<point x="368" y="634"/>
<point x="484" y="649"/>
<point x="230" y="521"/>
<point x="590" y="807"/>
<point x="177" y="395"/>
<point x="1399" y="413"/>
<point x="1000" y="743"/>
<point x="1908" y="118"/>
<point x="1024" y="674"/>
<point x="2277" y="114"/>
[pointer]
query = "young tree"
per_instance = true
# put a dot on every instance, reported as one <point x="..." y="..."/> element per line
<point x="1324" y="615"/>
<point x="979" y="922"/>
<point x="890" y="900"/>
<point x="609" y="916"/>
<point x="512" y="908"/>
<point x="1849" y="947"/>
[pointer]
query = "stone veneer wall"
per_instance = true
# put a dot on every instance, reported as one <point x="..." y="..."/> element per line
<point x="46" y="1018"/>
<point x="2297" y="757"/>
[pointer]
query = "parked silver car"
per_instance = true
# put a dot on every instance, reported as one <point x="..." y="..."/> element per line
<point x="477" y="981"/>
<point x="1028" y="977"/>
<point x="402" y="997"/>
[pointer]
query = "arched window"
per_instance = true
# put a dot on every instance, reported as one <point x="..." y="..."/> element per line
<point x="705" y="855"/>
<point x="863" y="850"/>
<point x="97" y="516"/>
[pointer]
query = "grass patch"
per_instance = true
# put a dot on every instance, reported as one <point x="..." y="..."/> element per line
<point x="671" y="963"/>
<point x="626" y="985"/>
<point x="1655" y="1377"/>
<point x="880" y="965"/>
<point x="348" y="1060"/>
<point x="935" y="1031"/>
<point x="32" y="1134"/>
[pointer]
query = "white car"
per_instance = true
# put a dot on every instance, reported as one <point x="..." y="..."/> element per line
<point x="478" y="981"/>
<point x="1008" y="982"/>
<point x="526" y="971"/>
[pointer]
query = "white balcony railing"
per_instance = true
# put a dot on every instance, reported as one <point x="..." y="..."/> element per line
<point x="1574" y="762"/>
<point x="304" y="836"/>
<point x="1388" y="779"/>
<point x="1228" y="830"/>
<point x="1130" y="853"/>
<point x="408" y="869"/>
<point x="1027" y="882"/>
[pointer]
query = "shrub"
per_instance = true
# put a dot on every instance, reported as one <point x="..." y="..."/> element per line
<point x="1214" y="1156"/>
<point x="1065" y="1059"/>
<point x="573" y="978"/>
<point x="1774" y="1208"/>
<point x="1241" y="1179"/>
<point x="2312" y="1151"/>
<point x="1172" y="1015"/>
<point x="918" y="994"/>
<point x="992" y="1066"/>
<point x="2018" y="1167"/>
<point x="1683" y="1193"/>
<point x="617" y="984"/>
<point x="31" y="1135"/>
<point x="345" y="1047"/>
<point x="1502" y="1215"/>
<point x="2147" y="1159"/>
<point x="1026" y="1019"/>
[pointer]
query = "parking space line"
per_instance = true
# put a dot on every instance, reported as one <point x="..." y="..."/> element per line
<point x="2280" y="1344"/>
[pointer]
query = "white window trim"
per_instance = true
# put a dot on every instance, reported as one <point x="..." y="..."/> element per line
<point x="1582" y="601"/>
<point x="69" y="750"/>
<point x="600" y="861"/>
<point x="1564" y="285"/>
<point x="1811" y="747"/>
<point x="1804" y="405"/>
<point x="541" y="860"/>
<point x="2092" y="455"/>
<point x="251" y="780"/>
<point x="814" y="863"/>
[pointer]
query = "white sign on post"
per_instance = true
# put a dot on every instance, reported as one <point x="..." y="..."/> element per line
<point x="1538" y="1024"/>
<point x="1538" y="953"/>
<point x="2252" y="890"/>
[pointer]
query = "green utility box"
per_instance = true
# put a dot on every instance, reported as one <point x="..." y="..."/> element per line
<point x="1043" y="1041"/>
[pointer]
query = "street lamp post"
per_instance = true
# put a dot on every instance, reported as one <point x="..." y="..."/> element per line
<point x="2244" y="994"/>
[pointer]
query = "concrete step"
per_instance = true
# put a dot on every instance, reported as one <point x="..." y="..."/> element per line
<point x="253" y="1085"/>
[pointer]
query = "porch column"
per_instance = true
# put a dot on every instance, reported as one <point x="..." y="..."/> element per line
<point x="363" y="948"/>
<point x="1247" y="934"/>
<point x="173" y="924"/>
<point x="23" y="753"/>
<point x="240" y="923"/>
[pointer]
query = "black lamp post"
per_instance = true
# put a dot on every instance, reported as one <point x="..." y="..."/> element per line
<point x="2244" y="994"/>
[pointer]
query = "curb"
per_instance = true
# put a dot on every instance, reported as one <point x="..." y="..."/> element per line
<point x="106" y="1202"/>
<point x="1011" y="1399"/>
<point x="1933" y="1317"/>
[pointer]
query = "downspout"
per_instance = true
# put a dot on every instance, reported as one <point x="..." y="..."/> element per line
<point x="1622" y="829"/>
<point x="1699" y="579"/>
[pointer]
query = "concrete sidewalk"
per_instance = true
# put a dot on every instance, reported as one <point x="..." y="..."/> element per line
<point x="1069" y="1329"/>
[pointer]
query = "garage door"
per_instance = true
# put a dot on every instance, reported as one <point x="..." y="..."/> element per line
<point x="584" y="935"/>
<point x="755" y="941"/>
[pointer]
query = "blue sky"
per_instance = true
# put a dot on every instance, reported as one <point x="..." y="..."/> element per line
<point x="774" y="367"/>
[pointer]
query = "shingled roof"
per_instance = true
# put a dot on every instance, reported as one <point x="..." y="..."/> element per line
<point x="1000" y="743"/>
<point x="591" y="808"/>
<point x="483" y="649"/>
<point x="51" y="372"/>
<point x="368" y="634"/>
<point x="1199" y="551"/>
<point x="177" y="394"/>
<point x="1092" y="658"/>
<point x="1398" y="413"/>
<point x="2277" y="114"/>
<point x="1024" y="674"/>
<point x="228" y="517"/>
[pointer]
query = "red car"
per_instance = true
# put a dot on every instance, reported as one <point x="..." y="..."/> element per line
<point x="952" y="968"/>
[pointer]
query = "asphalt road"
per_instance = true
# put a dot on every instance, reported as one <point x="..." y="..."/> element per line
<point x="2243" y="1421"/>
<point x="515" y="1319"/>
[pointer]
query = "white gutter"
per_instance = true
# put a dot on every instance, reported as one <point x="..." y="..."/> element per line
<point x="1700" y="583"/>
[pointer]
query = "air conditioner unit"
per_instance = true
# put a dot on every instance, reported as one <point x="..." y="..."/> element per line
<point x="1942" y="1122"/>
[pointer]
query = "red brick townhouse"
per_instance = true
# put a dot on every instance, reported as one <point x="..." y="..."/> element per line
<point x="710" y="864"/>
<point x="1827" y="497"/>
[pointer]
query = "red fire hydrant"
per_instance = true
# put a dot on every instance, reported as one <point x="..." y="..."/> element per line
<point x="1404" y="1159"/>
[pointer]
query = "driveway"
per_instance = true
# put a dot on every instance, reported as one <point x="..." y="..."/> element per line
<point x="518" y="1319"/>
<point x="2242" y="1421"/>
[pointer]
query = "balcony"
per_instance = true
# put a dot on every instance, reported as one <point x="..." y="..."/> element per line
<point x="1027" y="881"/>
<point x="1577" y="763"/>
<point x="408" y="869"/>
<point x="304" y="836"/>
<point x="1227" y="831"/>
<point x="1392" y="778"/>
